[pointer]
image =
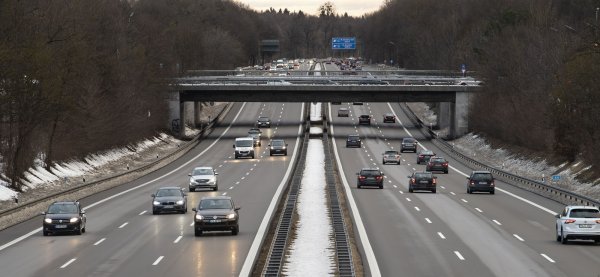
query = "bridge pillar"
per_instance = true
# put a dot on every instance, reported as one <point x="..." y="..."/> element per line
<point x="459" y="125"/>
<point x="175" y="116"/>
<point x="443" y="115"/>
<point x="188" y="115"/>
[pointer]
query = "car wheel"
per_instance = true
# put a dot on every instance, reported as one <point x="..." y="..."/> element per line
<point x="236" y="157"/>
<point x="563" y="238"/>
<point x="252" y="156"/>
<point x="270" y="154"/>
<point x="45" y="233"/>
<point x="83" y="229"/>
<point x="78" y="232"/>
<point x="380" y="186"/>
<point x="433" y="190"/>
<point x="154" y="212"/>
<point x="191" y="189"/>
<point x="446" y="171"/>
<point x="558" y="238"/>
<point x="285" y="153"/>
<point x="197" y="232"/>
<point x="358" y="185"/>
<point x="492" y="192"/>
<point x="410" y="189"/>
<point x="235" y="231"/>
<point x="216" y="188"/>
<point x="469" y="191"/>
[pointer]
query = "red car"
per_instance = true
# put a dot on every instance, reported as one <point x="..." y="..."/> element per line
<point x="437" y="164"/>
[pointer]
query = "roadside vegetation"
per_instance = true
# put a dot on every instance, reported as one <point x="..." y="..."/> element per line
<point x="82" y="76"/>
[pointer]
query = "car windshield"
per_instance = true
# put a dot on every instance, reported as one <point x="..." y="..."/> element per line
<point x="277" y="143"/>
<point x="370" y="173"/>
<point x="207" y="204"/>
<point x="423" y="175"/>
<point x="391" y="152"/>
<point x="343" y="109"/>
<point x="585" y="213"/>
<point x="352" y="137"/>
<point x="389" y="115"/>
<point x="408" y="140"/>
<point x="202" y="171"/>
<point x="427" y="153"/>
<point x="438" y="160"/>
<point x="243" y="143"/>
<point x="263" y="119"/>
<point x="254" y="131"/>
<point x="482" y="177"/>
<point x="168" y="192"/>
<point x="364" y="116"/>
<point x="62" y="209"/>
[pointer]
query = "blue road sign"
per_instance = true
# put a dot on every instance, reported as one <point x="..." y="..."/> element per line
<point x="555" y="178"/>
<point x="343" y="43"/>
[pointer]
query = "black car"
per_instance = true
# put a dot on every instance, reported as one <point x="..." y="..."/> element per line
<point x="424" y="156"/>
<point x="422" y="181"/>
<point x="263" y="121"/>
<point x="408" y="144"/>
<point x="353" y="141"/>
<point x="437" y="164"/>
<point x="169" y="199"/>
<point x="480" y="181"/>
<point x="64" y="217"/>
<point x="278" y="146"/>
<point x="369" y="177"/>
<point x="217" y="213"/>
<point x="364" y="119"/>
<point x="389" y="118"/>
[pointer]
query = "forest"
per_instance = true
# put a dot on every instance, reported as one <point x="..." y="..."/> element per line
<point x="82" y="76"/>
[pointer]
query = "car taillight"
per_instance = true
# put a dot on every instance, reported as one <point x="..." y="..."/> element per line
<point x="434" y="182"/>
<point x="361" y="177"/>
<point x="420" y="156"/>
<point x="598" y="221"/>
<point x="379" y="178"/>
<point x="445" y="164"/>
<point x="412" y="180"/>
<point x="569" y="221"/>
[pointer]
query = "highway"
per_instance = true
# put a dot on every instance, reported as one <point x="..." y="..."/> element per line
<point x="450" y="233"/>
<point x="123" y="238"/>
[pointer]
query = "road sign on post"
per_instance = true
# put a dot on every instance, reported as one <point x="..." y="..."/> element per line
<point x="555" y="178"/>
<point x="343" y="43"/>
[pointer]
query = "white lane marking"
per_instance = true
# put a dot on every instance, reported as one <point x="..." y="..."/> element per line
<point x="192" y="224"/>
<point x="243" y="178"/>
<point x="441" y="235"/>
<point x="158" y="260"/>
<point x="394" y="185"/>
<point x="519" y="238"/>
<point x="462" y="199"/>
<point x="464" y="174"/>
<point x="19" y="239"/>
<point x="362" y="233"/>
<point x="237" y="183"/>
<point x="414" y="169"/>
<point x="497" y="222"/>
<point x="417" y="208"/>
<point x="68" y="263"/>
<point x="100" y="241"/>
<point x="123" y="225"/>
<point x="479" y="210"/>
<point x="220" y="165"/>
<point x="261" y="232"/>
<point x="459" y="255"/>
<point x="224" y="193"/>
<point x="230" y="187"/>
<point x="177" y="239"/>
<point x="248" y="173"/>
<point x="408" y="199"/>
<point x="442" y="187"/>
<point x="428" y="221"/>
<point x="547" y="258"/>
<point x="143" y="212"/>
<point x="401" y="192"/>
<point x="452" y="193"/>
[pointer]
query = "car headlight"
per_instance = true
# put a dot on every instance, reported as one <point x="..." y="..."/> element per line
<point x="74" y="219"/>
<point x="48" y="220"/>
<point x="180" y="202"/>
<point x="199" y="217"/>
<point x="192" y="181"/>
<point x="156" y="203"/>
<point x="230" y="216"/>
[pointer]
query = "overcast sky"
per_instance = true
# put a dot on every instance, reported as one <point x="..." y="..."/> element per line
<point x="352" y="7"/>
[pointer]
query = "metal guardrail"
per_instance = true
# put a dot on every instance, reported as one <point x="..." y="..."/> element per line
<point x="546" y="190"/>
<point x="275" y="257"/>
<point x="186" y="147"/>
<point x="343" y="252"/>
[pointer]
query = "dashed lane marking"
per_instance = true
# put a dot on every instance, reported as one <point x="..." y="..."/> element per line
<point x="441" y="235"/>
<point x="68" y="263"/>
<point x="158" y="260"/>
<point x="100" y="241"/>
<point x="123" y="225"/>
<point x="460" y="257"/>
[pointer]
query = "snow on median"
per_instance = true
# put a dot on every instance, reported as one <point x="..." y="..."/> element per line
<point x="311" y="251"/>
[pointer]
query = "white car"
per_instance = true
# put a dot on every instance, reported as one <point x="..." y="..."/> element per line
<point x="578" y="222"/>
<point x="203" y="177"/>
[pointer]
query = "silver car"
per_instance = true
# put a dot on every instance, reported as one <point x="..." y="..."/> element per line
<point x="203" y="177"/>
<point x="255" y="133"/>
<point x="391" y="156"/>
<point x="578" y="222"/>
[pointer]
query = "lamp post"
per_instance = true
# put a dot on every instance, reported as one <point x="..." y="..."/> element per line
<point x="395" y="55"/>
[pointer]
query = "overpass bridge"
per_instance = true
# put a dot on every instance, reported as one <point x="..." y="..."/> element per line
<point x="450" y="89"/>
